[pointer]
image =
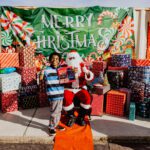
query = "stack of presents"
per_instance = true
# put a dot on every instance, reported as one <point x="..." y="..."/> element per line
<point x="121" y="88"/>
<point x="18" y="81"/>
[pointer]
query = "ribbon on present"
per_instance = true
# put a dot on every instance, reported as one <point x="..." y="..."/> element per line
<point x="13" y="23"/>
<point x="9" y="49"/>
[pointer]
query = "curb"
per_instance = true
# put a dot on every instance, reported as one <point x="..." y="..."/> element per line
<point x="96" y="140"/>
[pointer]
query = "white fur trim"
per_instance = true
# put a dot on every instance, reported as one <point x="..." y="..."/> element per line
<point x="67" y="108"/>
<point x="73" y="90"/>
<point x="84" y="87"/>
<point x="91" y="76"/>
<point x="85" y="70"/>
<point x="85" y="106"/>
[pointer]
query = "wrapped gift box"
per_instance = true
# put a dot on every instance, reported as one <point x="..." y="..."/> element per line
<point x="42" y="86"/>
<point x="98" y="66"/>
<point x="116" y="78"/>
<point x="140" y="62"/>
<point x="43" y="100"/>
<point x="10" y="82"/>
<point x="121" y="60"/>
<point x="28" y="90"/>
<point x="9" y="101"/>
<point x="41" y="82"/>
<point x="143" y="108"/>
<point x="139" y="73"/>
<point x="128" y="98"/>
<point x="100" y="89"/>
<point x="147" y="91"/>
<point x="9" y="60"/>
<point x="27" y="102"/>
<point x="97" y="104"/>
<point x="115" y="103"/>
<point x="125" y="73"/>
<point x="137" y="91"/>
<point x="28" y="75"/>
<point x="26" y="56"/>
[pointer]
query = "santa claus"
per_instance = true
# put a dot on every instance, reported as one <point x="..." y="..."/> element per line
<point x="77" y="90"/>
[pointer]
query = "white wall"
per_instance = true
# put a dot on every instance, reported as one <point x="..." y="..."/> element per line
<point x="141" y="19"/>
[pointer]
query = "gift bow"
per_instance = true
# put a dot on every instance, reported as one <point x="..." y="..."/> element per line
<point x="8" y="50"/>
<point x="12" y="22"/>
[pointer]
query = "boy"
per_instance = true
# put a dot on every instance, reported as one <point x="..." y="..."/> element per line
<point x="55" y="92"/>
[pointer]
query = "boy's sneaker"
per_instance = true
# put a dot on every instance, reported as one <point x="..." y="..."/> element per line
<point x="52" y="132"/>
<point x="60" y="128"/>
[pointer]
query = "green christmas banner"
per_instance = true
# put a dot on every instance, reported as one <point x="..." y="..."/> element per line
<point x="93" y="31"/>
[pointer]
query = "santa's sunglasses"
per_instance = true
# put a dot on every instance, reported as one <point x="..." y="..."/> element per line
<point x="71" y="58"/>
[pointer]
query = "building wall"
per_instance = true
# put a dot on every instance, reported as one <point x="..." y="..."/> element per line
<point x="142" y="17"/>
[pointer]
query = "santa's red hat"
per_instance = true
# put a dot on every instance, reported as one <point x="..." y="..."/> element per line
<point x="73" y="51"/>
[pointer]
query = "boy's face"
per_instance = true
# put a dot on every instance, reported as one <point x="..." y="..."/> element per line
<point x="55" y="61"/>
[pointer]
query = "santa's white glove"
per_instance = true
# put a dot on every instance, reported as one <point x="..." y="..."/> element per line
<point x="85" y="70"/>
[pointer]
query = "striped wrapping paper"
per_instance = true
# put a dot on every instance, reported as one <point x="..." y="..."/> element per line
<point x="9" y="101"/>
<point x="121" y="60"/>
<point x="128" y="98"/>
<point x="28" y="76"/>
<point x="10" y="82"/>
<point x="140" y="62"/>
<point x="139" y="73"/>
<point x="42" y="86"/>
<point x="9" y="60"/>
<point x="137" y="91"/>
<point x="115" y="78"/>
<point x="26" y="56"/>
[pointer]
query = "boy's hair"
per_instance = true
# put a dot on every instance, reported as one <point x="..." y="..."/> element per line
<point x="54" y="53"/>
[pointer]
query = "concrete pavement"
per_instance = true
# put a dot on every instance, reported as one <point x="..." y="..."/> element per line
<point x="30" y="126"/>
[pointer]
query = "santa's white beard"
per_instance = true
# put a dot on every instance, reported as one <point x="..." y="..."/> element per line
<point x="75" y="64"/>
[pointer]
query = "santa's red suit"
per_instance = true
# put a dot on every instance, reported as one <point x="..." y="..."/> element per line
<point x="77" y="90"/>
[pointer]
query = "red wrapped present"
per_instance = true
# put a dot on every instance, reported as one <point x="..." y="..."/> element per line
<point x="9" y="60"/>
<point x="98" y="66"/>
<point x="115" y="103"/>
<point x="26" y="56"/>
<point x="28" y="75"/>
<point x="97" y="105"/>
<point x="9" y="101"/>
<point x="42" y="86"/>
<point x="43" y="99"/>
<point x="140" y="62"/>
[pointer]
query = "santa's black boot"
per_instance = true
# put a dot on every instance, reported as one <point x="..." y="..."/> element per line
<point x="81" y="117"/>
<point x="71" y="118"/>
